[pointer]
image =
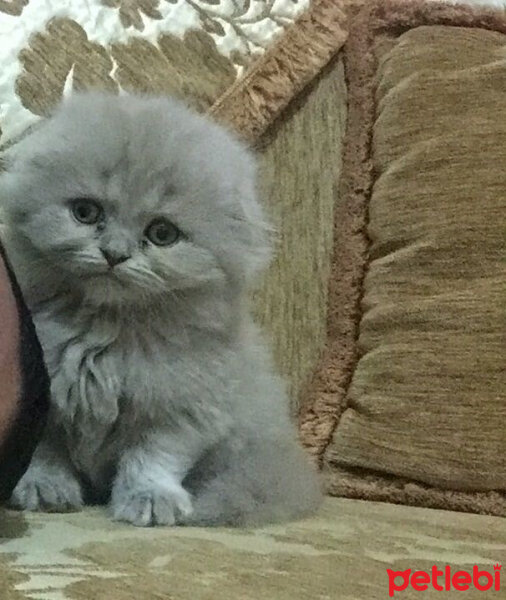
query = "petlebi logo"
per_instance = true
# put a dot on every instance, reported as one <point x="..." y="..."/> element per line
<point x="444" y="579"/>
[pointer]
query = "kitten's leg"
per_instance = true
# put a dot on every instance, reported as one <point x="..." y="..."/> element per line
<point x="50" y="483"/>
<point x="148" y="490"/>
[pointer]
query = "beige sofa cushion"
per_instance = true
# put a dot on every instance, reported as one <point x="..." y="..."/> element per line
<point x="412" y="386"/>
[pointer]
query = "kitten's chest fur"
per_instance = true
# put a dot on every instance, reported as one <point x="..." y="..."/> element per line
<point x="114" y="378"/>
<point x="99" y="366"/>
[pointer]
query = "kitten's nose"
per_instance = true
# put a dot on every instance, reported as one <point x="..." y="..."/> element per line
<point x="114" y="258"/>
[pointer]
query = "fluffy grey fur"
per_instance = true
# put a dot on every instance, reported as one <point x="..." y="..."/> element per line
<point x="164" y="399"/>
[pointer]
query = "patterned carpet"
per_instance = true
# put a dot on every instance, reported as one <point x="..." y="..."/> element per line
<point x="193" y="49"/>
<point x="343" y="553"/>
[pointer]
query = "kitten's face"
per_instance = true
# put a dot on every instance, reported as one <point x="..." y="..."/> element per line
<point x="131" y="198"/>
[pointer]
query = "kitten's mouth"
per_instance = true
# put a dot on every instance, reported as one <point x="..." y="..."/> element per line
<point x="109" y="276"/>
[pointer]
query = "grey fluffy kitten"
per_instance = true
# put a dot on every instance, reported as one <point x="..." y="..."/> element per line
<point x="135" y="231"/>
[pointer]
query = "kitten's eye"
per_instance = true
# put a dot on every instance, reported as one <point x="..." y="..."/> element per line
<point x="162" y="232"/>
<point x="86" y="211"/>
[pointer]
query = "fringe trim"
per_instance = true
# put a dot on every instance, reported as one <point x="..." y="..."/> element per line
<point x="251" y="104"/>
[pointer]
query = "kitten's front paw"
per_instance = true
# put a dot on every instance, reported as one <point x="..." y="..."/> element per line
<point x="52" y="492"/>
<point x="149" y="507"/>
